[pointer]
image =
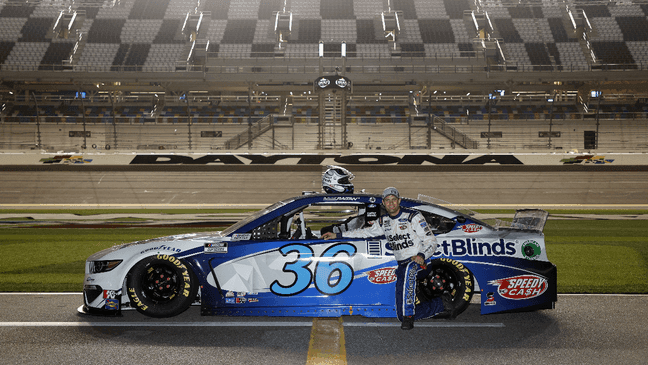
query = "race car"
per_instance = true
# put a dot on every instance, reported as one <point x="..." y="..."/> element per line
<point x="273" y="263"/>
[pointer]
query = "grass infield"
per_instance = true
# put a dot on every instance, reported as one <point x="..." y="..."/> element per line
<point x="592" y="256"/>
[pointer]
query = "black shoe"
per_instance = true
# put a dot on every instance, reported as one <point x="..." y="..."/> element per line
<point x="408" y="323"/>
<point x="450" y="310"/>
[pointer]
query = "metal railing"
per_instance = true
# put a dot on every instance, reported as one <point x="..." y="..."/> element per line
<point x="453" y="134"/>
<point x="407" y="65"/>
<point x="253" y="131"/>
<point x="512" y="135"/>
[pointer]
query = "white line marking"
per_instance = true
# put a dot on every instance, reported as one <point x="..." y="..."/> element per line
<point x="156" y="324"/>
<point x="427" y="324"/>
<point x="44" y="293"/>
<point x="243" y="324"/>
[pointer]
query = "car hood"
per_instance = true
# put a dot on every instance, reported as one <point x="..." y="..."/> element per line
<point x="168" y="245"/>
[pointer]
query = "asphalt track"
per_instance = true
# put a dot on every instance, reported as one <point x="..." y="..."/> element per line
<point x="177" y="186"/>
<point x="46" y="329"/>
<point x="583" y="329"/>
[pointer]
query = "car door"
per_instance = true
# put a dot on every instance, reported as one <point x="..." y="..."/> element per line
<point x="293" y="267"/>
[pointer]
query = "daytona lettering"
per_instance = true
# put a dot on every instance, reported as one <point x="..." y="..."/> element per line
<point x="301" y="159"/>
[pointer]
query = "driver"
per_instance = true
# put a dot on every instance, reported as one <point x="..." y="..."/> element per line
<point x="413" y="243"/>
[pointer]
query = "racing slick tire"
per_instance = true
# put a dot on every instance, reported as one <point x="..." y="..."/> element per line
<point x="161" y="286"/>
<point x="447" y="275"/>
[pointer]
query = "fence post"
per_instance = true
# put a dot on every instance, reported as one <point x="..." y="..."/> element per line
<point x="38" y="132"/>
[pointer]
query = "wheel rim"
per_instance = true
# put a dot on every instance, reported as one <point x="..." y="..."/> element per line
<point x="160" y="284"/>
<point x="446" y="278"/>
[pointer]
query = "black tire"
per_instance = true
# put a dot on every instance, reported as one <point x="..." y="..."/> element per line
<point x="150" y="297"/>
<point x="447" y="275"/>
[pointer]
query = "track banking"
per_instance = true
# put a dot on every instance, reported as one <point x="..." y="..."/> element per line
<point x="472" y="247"/>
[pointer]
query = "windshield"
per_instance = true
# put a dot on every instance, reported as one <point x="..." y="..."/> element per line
<point x="252" y="217"/>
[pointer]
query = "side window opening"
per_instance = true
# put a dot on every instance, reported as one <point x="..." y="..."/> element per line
<point x="268" y="231"/>
<point x="314" y="220"/>
<point x="438" y="224"/>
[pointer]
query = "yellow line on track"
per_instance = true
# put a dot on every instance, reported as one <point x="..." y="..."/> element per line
<point x="327" y="342"/>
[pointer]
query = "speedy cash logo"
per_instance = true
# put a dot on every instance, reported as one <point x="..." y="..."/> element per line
<point x="521" y="287"/>
<point x="385" y="275"/>
<point x="471" y="228"/>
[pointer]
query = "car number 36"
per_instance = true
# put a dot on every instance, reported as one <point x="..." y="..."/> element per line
<point x="332" y="274"/>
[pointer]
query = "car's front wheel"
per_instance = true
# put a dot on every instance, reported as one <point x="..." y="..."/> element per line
<point x="161" y="286"/>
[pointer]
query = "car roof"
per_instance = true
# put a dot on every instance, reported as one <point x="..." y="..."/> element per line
<point x="294" y="203"/>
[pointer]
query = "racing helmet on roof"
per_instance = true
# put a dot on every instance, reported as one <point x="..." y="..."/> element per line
<point x="337" y="180"/>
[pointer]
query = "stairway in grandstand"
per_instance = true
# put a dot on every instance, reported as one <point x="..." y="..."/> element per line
<point x="256" y="131"/>
<point x="333" y="128"/>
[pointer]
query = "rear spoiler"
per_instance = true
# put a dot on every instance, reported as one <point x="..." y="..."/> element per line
<point x="530" y="219"/>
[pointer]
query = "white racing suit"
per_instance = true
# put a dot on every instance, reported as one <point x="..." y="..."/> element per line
<point x="408" y="235"/>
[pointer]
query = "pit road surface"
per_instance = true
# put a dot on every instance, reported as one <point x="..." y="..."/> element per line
<point x="589" y="329"/>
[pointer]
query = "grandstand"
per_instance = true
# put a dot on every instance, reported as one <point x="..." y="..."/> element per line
<point x="421" y="75"/>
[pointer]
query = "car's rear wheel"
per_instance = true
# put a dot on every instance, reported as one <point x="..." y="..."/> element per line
<point x="447" y="275"/>
<point x="161" y="286"/>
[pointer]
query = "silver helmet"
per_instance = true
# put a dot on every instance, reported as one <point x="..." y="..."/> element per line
<point x="337" y="180"/>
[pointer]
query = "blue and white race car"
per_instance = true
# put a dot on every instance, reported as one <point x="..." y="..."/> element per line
<point x="273" y="263"/>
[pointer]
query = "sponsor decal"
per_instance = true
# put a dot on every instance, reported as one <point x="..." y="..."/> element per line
<point x="66" y="160"/>
<point x="340" y="198"/>
<point x="520" y="287"/>
<point x="490" y="299"/>
<point x="230" y="300"/>
<point x="112" y="304"/>
<point x="474" y="247"/>
<point x="410" y="296"/>
<point x="400" y="241"/>
<point x="241" y="236"/>
<point x="218" y="247"/>
<point x="596" y="160"/>
<point x="109" y="294"/>
<point x="385" y="275"/>
<point x="531" y="250"/>
<point x="229" y="294"/>
<point x="161" y="248"/>
<point x="316" y="159"/>
<point x="471" y="228"/>
<point x="253" y="300"/>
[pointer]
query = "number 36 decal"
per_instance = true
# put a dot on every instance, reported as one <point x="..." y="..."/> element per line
<point x="332" y="274"/>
